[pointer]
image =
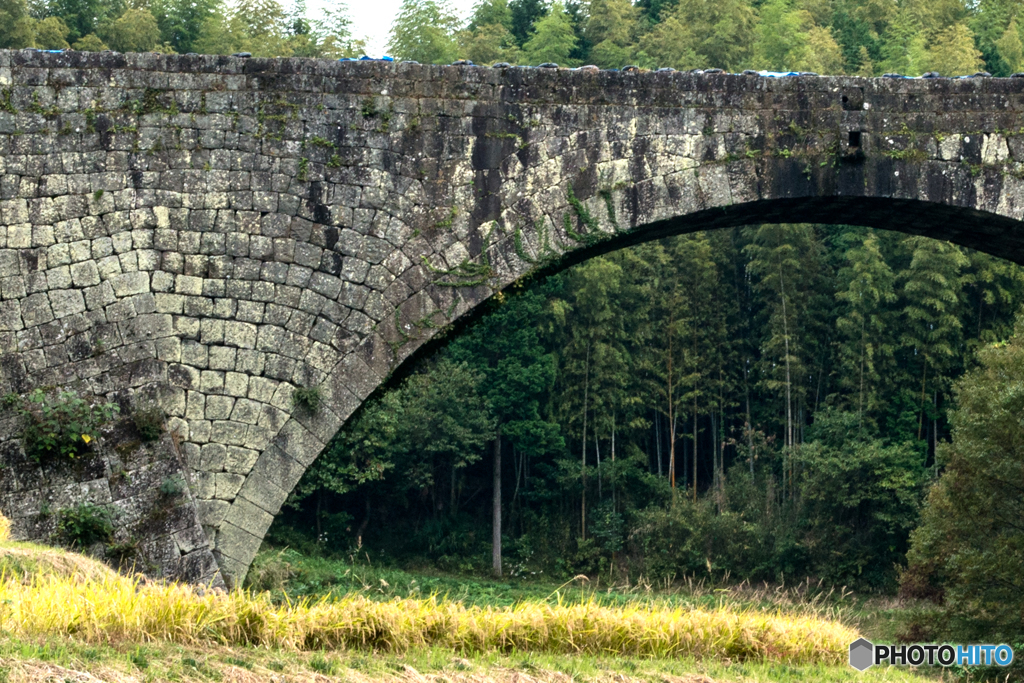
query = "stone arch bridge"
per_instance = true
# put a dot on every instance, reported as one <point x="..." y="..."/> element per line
<point x="211" y="232"/>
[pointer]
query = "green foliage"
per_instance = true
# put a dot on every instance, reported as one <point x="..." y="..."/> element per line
<point x="15" y="25"/>
<point x="553" y="38"/>
<point x="172" y="487"/>
<point x="670" y="358"/>
<point x="968" y="547"/>
<point x="789" y="38"/>
<point x="85" y="524"/>
<point x="323" y="665"/>
<point x="52" y="34"/>
<point x="524" y="15"/>
<point x="668" y="44"/>
<point x="80" y="17"/>
<point x="488" y="44"/>
<point x="429" y="430"/>
<point x="90" y="43"/>
<point x="1011" y="48"/>
<point x="724" y="30"/>
<point x="424" y="31"/>
<point x="864" y="326"/>
<point x="149" y="421"/>
<point x="61" y="425"/>
<point x="851" y="36"/>
<point x="181" y="21"/>
<point x="139" y="658"/>
<point x="134" y="31"/>
<point x="933" y="326"/>
<point x="953" y="52"/>
<point x="860" y="498"/>
<point x="610" y="29"/>
<point x="491" y="13"/>
<point x="307" y="399"/>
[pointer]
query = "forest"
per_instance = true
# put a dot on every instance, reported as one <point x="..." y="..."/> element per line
<point x="859" y="37"/>
<point x="765" y="403"/>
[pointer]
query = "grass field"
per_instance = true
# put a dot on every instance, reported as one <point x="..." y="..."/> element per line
<point x="66" y="618"/>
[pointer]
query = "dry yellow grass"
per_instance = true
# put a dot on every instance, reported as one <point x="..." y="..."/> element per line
<point x="5" y="529"/>
<point x="114" y="608"/>
<point x="25" y="561"/>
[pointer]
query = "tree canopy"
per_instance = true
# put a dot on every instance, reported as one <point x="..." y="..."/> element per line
<point x="862" y="37"/>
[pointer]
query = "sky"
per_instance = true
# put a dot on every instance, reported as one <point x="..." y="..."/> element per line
<point x="372" y="18"/>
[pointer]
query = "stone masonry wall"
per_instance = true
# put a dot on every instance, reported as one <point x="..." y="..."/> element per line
<point x="210" y="233"/>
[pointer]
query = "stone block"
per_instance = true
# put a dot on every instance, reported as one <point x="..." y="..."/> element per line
<point x="128" y="284"/>
<point x="219" y="407"/>
<point x="235" y="542"/>
<point x="66" y="302"/>
<point x="85" y="274"/>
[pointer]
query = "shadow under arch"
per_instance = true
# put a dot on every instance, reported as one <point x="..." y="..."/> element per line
<point x="968" y="227"/>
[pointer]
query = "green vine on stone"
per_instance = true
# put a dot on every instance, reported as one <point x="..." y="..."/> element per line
<point x="447" y="222"/>
<point x="606" y="195"/>
<point x="468" y="274"/>
<point x="5" y="103"/>
<point x="593" y="234"/>
<point x="517" y="240"/>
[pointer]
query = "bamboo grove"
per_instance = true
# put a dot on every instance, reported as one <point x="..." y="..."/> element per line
<point x="763" y="402"/>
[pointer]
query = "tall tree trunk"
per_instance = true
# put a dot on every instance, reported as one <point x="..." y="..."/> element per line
<point x="451" y="490"/>
<point x="496" y="508"/>
<point x="671" y="412"/>
<point x="519" y="463"/>
<point x="863" y="355"/>
<point x="613" y="462"/>
<point x="750" y="425"/>
<point x="695" y="450"/>
<point x="597" y="451"/>
<point x="721" y="423"/>
<point x="981" y="306"/>
<point x="920" y="420"/>
<point x="583" y="460"/>
<point x="789" y="383"/>
<point x="785" y="336"/>
<point x="319" y="507"/>
<point x="362" y="525"/>
<point x="657" y="436"/>
<point x="696" y="374"/>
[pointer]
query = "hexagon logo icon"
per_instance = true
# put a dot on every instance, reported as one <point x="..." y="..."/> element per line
<point x="862" y="654"/>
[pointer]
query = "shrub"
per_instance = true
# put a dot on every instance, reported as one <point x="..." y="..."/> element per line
<point x="172" y="487"/>
<point x="85" y="524"/>
<point x="5" y="529"/>
<point x="149" y="422"/>
<point x="306" y="398"/>
<point x="63" y="425"/>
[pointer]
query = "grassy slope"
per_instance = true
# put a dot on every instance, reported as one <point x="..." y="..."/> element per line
<point x="67" y="654"/>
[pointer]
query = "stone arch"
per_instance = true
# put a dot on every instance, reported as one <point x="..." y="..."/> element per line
<point x="233" y="229"/>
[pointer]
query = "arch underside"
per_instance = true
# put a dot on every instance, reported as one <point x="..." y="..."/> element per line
<point x="968" y="227"/>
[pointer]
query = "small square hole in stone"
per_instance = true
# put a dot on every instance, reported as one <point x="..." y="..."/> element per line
<point x="854" y="138"/>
